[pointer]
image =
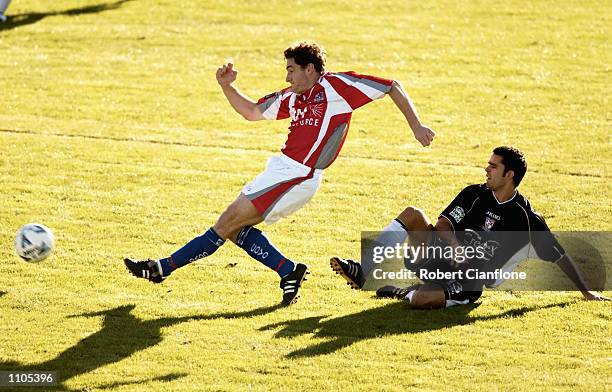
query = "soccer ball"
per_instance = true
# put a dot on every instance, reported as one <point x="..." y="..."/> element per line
<point x="34" y="242"/>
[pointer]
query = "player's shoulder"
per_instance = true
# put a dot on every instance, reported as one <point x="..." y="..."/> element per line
<point x="476" y="189"/>
<point x="339" y="75"/>
<point x="284" y="93"/>
<point x="522" y="201"/>
<point x="473" y="192"/>
<point x="536" y="218"/>
<point x="337" y="80"/>
<point x="336" y="73"/>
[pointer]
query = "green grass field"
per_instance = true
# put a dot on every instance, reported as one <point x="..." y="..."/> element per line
<point x="114" y="133"/>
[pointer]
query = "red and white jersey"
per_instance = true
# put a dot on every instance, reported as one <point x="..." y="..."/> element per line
<point x="320" y="117"/>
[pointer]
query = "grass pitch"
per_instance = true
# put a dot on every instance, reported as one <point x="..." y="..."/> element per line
<point x="114" y="133"/>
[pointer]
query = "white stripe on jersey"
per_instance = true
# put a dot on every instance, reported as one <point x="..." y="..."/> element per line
<point x="336" y="104"/>
<point x="291" y="106"/>
<point x="271" y="113"/>
<point x="372" y="93"/>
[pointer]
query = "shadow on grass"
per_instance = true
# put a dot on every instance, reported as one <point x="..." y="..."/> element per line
<point x="2" y="293"/>
<point x="392" y="319"/>
<point x="122" y="334"/>
<point x="19" y="20"/>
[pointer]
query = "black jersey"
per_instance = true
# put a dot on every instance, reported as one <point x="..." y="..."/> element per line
<point x="510" y="231"/>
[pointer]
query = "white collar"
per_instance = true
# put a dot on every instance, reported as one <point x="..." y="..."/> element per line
<point x="504" y="202"/>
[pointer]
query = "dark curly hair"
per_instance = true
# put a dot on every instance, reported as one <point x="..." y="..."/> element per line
<point x="513" y="159"/>
<point x="304" y="53"/>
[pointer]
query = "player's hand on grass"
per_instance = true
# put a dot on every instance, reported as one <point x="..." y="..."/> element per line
<point x="593" y="296"/>
<point x="424" y="135"/>
<point x="226" y="74"/>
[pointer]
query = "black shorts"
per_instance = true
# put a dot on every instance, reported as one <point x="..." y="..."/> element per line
<point x="456" y="292"/>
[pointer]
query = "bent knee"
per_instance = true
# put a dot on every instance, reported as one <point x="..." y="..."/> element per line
<point x="411" y="217"/>
<point x="229" y="216"/>
<point x="227" y="224"/>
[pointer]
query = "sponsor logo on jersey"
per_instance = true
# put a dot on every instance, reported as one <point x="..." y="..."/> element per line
<point x="298" y="113"/>
<point x="317" y="110"/>
<point x="307" y="116"/>
<point x="489" y="222"/>
<point x="454" y="287"/>
<point x="457" y="213"/>
<point x="492" y="215"/>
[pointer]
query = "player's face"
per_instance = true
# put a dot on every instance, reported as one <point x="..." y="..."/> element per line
<point x="297" y="76"/>
<point x="495" y="173"/>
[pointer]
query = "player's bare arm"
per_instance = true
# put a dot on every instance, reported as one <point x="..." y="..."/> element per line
<point x="445" y="230"/>
<point x="569" y="267"/>
<point x="245" y="106"/>
<point x="403" y="102"/>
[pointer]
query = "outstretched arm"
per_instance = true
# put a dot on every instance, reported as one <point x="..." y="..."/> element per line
<point x="226" y="75"/>
<point x="572" y="271"/>
<point x="445" y="230"/>
<point x="403" y="102"/>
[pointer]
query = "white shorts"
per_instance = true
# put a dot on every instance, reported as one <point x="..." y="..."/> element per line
<point x="283" y="188"/>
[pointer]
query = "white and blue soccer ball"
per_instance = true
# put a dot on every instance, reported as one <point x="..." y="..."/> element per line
<point x="34" y="242"/>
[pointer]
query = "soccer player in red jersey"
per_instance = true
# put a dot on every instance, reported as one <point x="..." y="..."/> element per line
<point x="320" y="105"/>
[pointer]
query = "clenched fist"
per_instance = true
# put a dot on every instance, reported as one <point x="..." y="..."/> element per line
<point x="226" y="74"/>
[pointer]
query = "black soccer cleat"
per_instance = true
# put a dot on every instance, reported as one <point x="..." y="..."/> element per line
<point x="396" y="292"/>
<point x="392" y="292"/>
<point x="146" y="269"/>
<point x="292" y="283"/>
<point x="349" y="270"/>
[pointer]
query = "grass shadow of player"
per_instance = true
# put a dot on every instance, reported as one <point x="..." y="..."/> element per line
<point x="18" y="20"/>
<point x="391" y="319"/>
<point x="122" y="334"/>
<point x="2" y="293"/>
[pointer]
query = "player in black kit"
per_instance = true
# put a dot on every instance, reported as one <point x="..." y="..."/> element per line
<point x="493" y="218"/>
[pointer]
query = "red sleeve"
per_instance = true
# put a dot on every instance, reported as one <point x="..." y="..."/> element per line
<point x="274" y="106"/>
<point x="358" y="90"/>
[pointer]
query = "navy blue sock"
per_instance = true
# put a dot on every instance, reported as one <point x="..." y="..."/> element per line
<point x="261" y="249"/>
<point x="197" y="248"/>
